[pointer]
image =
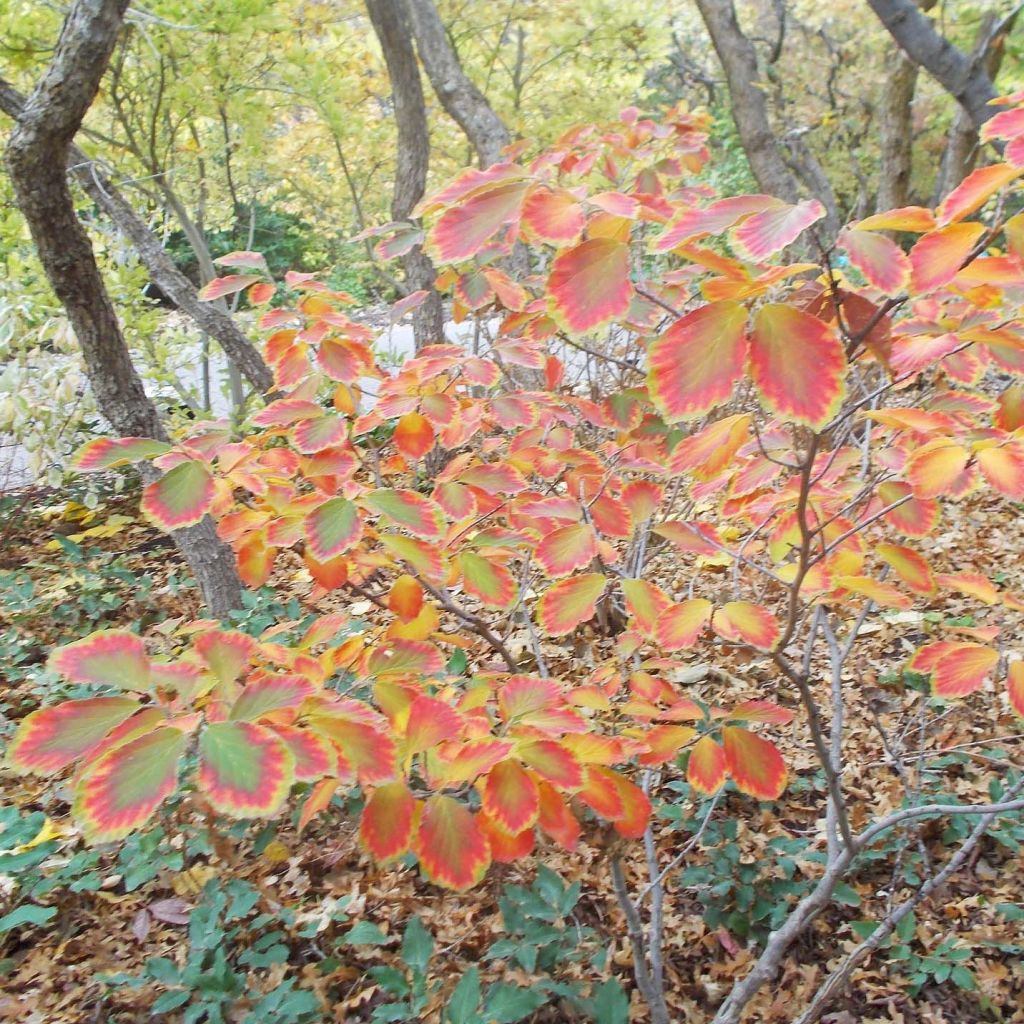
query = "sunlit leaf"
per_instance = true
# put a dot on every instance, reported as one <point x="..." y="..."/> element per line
<point x="975" y="190"/>
<point x="679" y="627"/>
<point x="764" y="234"/>
<point x="753" y="763"/>
<point x="745" y="622"/>
<point x="567" y="603"/>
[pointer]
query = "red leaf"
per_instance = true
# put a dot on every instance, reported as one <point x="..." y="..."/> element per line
<point x="567" y="603"/>
<point x="463" y="230"/>
<point x="679" y="627"/>
<point x="694" y="365"/>
<point x="566" y="549"/>
<point x="589" y="284"/>
<point x="882" y="262"/>
<point x="453" y="851"/>
<point x="386" y="827"/>
<point x="414" y="436"/>
<point x="510" y="797"/>
<point x="706" y="770"/>
<point x="748" y="623"/>
<point x="754" y="764"/>
<point x="431" y="721"/>
<point x="553" y="216"/>
<point x="798" y="364"/>
<point x="221" y="286"/>
<point x="764" y="234"/>
<point x="937" y="256"/>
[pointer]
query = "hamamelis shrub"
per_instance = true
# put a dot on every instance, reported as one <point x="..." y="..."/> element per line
<point x="722" y="448"/>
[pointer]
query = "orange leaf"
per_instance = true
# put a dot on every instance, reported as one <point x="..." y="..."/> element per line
<point x="962" y="669"/>
<point x="705" y="770"/>
<point x="910" y="566"/>
<point x="386" y="826"/>
<point x="975" y="190"/>
<point x="414" y="436"/>
<point x="744" y="622"/>
<point x="754" y="764"/>
<point x="938" y="468"/>
<point x="936" y="258"/>
<point x="406" y="597"/>
<point x="510" y="797"/>
<point x="1015" y="686"/>
<point x="567" y="603"/>
<point x="566" y="549"/>
<point x="452" y="849"/>
<point x="679" y="627"/>
<point x="589" y="284"/>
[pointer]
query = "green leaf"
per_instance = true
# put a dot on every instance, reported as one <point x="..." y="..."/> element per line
<point x="27" y="913"/>
<point x="365" y="933"/>
<point x="417" y="946"/>
<point x="163" y="970"/>
<point x="464" y="1005"/>
<point x="508" y="1004"/>
<point x="962" y="977"/>
<point x="170" y="1001"/>
<point x="609" y="1004"/>
<point x="846" y="895"/>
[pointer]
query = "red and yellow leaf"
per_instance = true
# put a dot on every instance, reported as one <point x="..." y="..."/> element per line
<point x="388" y="821"/>
<point x="556" y="818"/>
<point x="108" y="452"/>
<point x="464" y="229"/>
<point x="332" y="528"/>
<point x="753" y="763"/>
<point x="1015" y="686"/>
<point x="962" y="668"/>
<point x="420" y="515"/>
<point x="431" y="721"/>
<point x="120" y="791"/>
<point x="452" y="849"/>
<point x="52" y="738"/>
<point x="566" y="549"/>
<point x="181" y="497"/>
<point x="567" y="603"/>
<point x="936" y="258"/>
<point x="1003" y="468"/>
<point x="680" y="626"/>
<point x="975" y="190"/>
<point x="405" y="598"/>
<point x="553" y="216"/>
<point x="505" y="848"/>
<point x="913" y="517"/>
<point x="221" y="286"/>
<point x="589" y="284"/>
<point x="705" y="770"/>
<point x="553" y="763"/>
<point x="414" y="436"/>
<point x="910" y="566"/>
<point x="645" y="602"/>
<point x="491" y="583"/>
<point x="264" y="694"/>
<point x="405" y="657"/>
<point x="245" y="770"/>
<point x="693" y="366"/>
<point x="882" y="262"/>
<point x="314" y="756"/>
<point x="108" y="657"/>
<point x="226" y="652"/>
<point x="510" y="797"/>
<point x="798" y="364"/>
<point x="748" y="623"/>
<point x="938" y="468"/>
<point x="766" y="233"/>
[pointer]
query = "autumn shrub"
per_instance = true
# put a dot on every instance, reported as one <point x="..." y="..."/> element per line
<point x="736" y="440"/>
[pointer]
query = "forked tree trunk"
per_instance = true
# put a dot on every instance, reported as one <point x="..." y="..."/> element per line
<point x="37" y="158"/>
<point x="462" y="100"/>
<point x="207" y="316"/>
<point x="390" y="23"/>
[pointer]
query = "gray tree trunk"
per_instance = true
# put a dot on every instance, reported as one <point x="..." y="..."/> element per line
<point x="895" y="132"/>
<point x="162" y="270"/>
<point x="390" y="23"/>
<point x="463" y="101"/>
<point x="37" y="159"/>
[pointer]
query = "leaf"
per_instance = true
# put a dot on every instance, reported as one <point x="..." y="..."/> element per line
<point x="26" y="914"/>
<point x="936" y="258"/>
<point x="316" y="435"/>
<point x="553" y="763"/>
<point x="1003" y="468"/>
<point x="510" y="797"/>
<point x="798" y="364"/>
<point x="414" y="436"/>
<point x="241" y="258"/>
<point x="464" y="1004"/>
<point x="386" y="826"/>
<point x="464" y="229"/>
<point x="365" y="933"/>
<point x="694" y="365"/>
<point x="227" y="652"/>
<point x="221" y="286"/>
<point x="753" y="763"/>
<point x="52" y="738"/>
<point x="882" y="262"/>
<point x="264" y="694"/>
<point x="706" y="770"/>
<point x="491" y="583"/>
<point x="556" y="818"/>
<point x="119" y="791"/>
<point x="1015" y="686"/>
<point x="609" y="1003"/>
<point x="589" y="284"/>
<point x="764" y="234"/>
<point x="315" y="757"/>
<point x="962" y="668"/>
<point x="417" y="946"/>
<point x="566" y="549"/>
<point x="709" y="451"/>
<point x="401" y="657"/>
<point x="915" y="517"/>
<point x="910" y="566"/>
<point x="181" y="497"/>
<point x="712" y="220"/>
<point x="332" y="528"/>
<point x="748" y="623"/>
<point x="108" y="657"/>
<point x="245" y="770"/>
<point x="884" y="594"/>
<point x="938" y="468"/>
<point x="567" y="603"/>
<point x="431" y="721"/>
<point x="975" y="190"/>
<point x="553" y="216"/>
<point x="526" y="695"/>
<point x="108" y="452"/>
<point x="494" y="478"/>
<point x="645" y="602"/>
<point x="419" y="515"/>
<point x="906" y="218"/>
<point x="452" y="850"/>
<point x="680" y="626"/>
<point x="405" y="598"/>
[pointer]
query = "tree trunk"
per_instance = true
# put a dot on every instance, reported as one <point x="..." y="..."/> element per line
<point x="390" y="23"/>
<point x="162" y="271"/>
<point x="962" y="145"/>
<point x="463" y="101"/>
<point x="895" y="133"/>
<point x="738" y="58"/>
<point x="37" y="159"/>
<point x="966" y="80"/>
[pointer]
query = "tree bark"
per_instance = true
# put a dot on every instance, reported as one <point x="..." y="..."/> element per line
<point x="463" y="101"/>
<point x="37" y="158"/>
<point x="962" y="145"/>
<point x="895" y="133"/>
<point x="738" y="58"/>
<point x="966" y="80"/>
<point x="164" y="274"/>
<point x="390" y="23"/>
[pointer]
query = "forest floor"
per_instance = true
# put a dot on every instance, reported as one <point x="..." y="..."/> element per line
<point x="261" y="923"/>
